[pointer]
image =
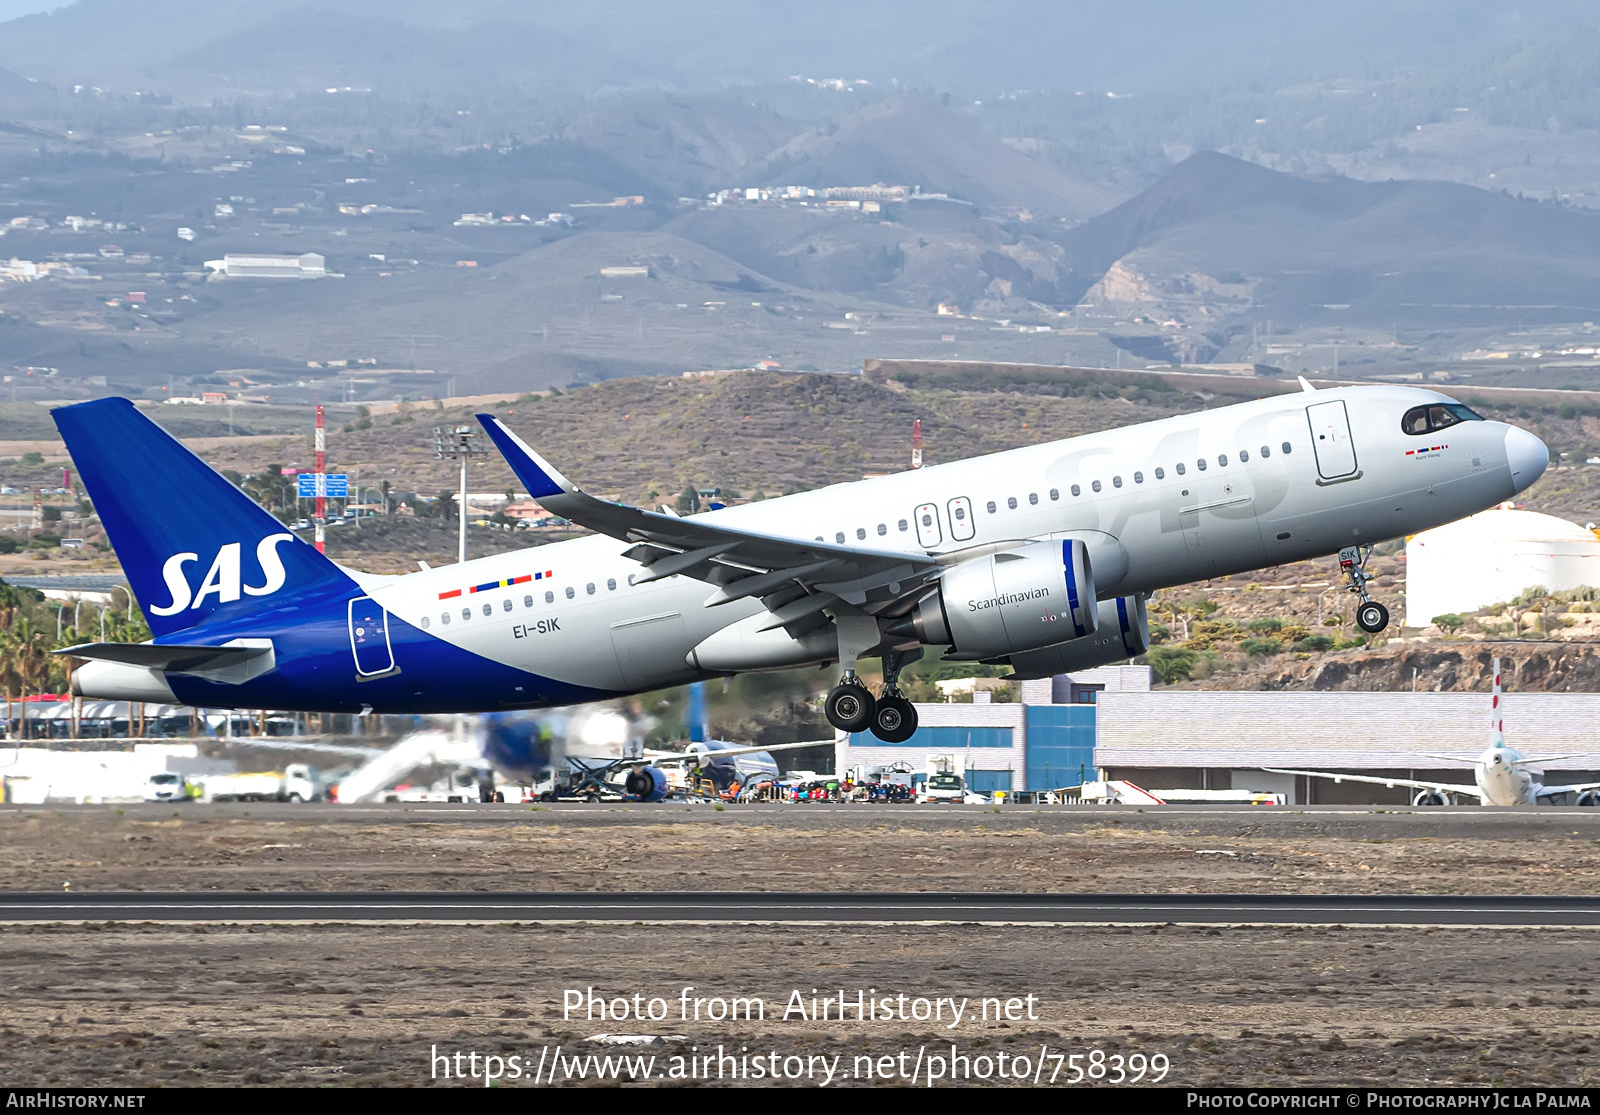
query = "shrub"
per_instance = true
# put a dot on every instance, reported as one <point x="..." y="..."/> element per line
<point x="1260" y="648"/>
<point x="1171" y="663"/>
<point x="1266" y="626"/>
<point x="1315" y="643"/>
<point x="1450" y="621"/>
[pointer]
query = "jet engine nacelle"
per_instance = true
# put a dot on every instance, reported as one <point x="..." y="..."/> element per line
<point x="1429" y="797"/>
<point x="646" y="784"/>
<point x="1034" y="596"/>
<point x="1123" y="632"/>
<point x="1589" y="798"/>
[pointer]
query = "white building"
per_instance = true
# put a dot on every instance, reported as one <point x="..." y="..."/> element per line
<point x="1493" y="556"/>
<point x="307" y="266"/>
<point x="1043" y="741"/>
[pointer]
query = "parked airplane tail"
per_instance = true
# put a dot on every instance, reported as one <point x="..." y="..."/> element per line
<point x="195" y="548"/>
<point x="1497" y="735"/>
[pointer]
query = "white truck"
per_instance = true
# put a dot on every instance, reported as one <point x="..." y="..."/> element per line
<point x="947" y="783"/>
<point x="297" y="782"/>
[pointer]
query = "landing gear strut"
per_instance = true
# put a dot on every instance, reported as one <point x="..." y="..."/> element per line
<point x="1371" y="616"/>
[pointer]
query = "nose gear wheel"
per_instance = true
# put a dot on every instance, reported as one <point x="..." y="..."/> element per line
<point x="1371" y="616"/>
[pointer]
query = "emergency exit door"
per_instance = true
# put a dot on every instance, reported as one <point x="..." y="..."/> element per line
<point x="369" y="637"/>
<point x="928" y="532"/>
<point x="1330" y="440"/>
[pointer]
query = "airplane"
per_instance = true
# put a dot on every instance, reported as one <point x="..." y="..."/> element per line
<point x="582" y="755"/>
<point x="1503" y="775"/>
<point x="1039" y="557"/>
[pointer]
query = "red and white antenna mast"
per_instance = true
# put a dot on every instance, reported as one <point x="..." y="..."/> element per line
<point x="916" y="443"/>
<point x="322" y="479"/>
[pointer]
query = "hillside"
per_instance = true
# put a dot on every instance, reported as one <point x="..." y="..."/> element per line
<point x="911" y="140"/>
<point x="1333" y="250"/>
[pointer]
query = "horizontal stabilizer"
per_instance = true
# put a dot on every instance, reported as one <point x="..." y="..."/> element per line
<point x="159" y="656"/>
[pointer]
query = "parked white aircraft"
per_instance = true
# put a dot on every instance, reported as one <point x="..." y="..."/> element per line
<point x="1040" y="558"/>
<point x="1504" y="776"/>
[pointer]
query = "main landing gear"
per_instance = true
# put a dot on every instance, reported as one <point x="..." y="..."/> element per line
<point x="851" y="707"/>
<point x="1371" y="616"/>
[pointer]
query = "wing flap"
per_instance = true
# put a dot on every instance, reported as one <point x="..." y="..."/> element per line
<point x="167" y="656"/>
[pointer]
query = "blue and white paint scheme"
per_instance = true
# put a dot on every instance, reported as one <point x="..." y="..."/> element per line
<point x="1038" y="557"/>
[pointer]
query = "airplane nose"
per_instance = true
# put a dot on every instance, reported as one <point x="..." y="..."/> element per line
<point x="1527" y="457"/>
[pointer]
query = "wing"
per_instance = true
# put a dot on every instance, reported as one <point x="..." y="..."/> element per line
<point x="1550" y="758"/>
<point x="797" y="580"/>
<point x="1409" y="783"/>
<point x="1582" y="787"/>
<point x="662" y="758"/>
<point x="1470" y="760"/>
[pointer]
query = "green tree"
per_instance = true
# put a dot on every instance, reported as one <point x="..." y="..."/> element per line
<point x="1449" y="623"/>
<point x="1171" y="664"/>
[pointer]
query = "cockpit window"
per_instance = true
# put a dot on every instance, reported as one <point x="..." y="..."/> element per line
<point x="1436" y="416"/>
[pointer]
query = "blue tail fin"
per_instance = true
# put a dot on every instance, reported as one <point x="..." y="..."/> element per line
<point x="195" y="548"/>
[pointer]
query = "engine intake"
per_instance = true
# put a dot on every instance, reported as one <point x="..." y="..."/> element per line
<point x="1034" y="596"/>
<point x="1123" y="632"/>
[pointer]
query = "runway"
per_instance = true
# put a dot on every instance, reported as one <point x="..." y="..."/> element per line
<point x="908" y="908"/>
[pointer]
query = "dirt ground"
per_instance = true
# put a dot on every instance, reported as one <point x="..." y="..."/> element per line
<point x="108" y="1004"/>
<point x="798" y="848"/>
<point x="140" y="1005"/>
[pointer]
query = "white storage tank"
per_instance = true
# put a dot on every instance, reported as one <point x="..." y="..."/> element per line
<point x="1493" y="556"/>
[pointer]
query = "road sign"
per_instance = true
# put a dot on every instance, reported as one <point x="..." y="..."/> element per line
<point x="337" y="485"/>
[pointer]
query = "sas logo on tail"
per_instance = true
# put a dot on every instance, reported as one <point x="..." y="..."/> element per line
<point x="223" y="579"/>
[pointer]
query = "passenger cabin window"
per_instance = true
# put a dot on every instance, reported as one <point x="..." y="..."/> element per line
<point x="1200" y="464"/>
<point x="1077" y="491"/>
<point x="1179" y="467"/>
<point x="1266" y="451"/>
<point x="424" y="623"/>
<point x="590" y="588"/>
<point x="1161" y="474"/>
<point x="611" y="584"/>
<point x="861" y="534"/>
<point x="1436" y="416"/>
<point x="507" y="605"/>
<point x="839" y="538"/>
<point x="1012" y="503"/>
<point x="1033" y="498"/>
<point x="1095" y="484"/>
<point x="488" y="609"/>
<point x="1055" y="493"/>
<point x="1138" y="478"/>
<point x="904" y="526"/>
<point x="466" y="613"/>
<point x="549" y="598"/>
<point x="1116" y="481"/>
<point x="527" y="601"/>
<point x="1244" y="456"/>
<point x="1287" y="448"/>
<point x="571" y="592"/>
<point x="991" y="507"/>
<point x="444" y="617"/>
<point x="883" y="528"/>
<point x="1222" y="460"/>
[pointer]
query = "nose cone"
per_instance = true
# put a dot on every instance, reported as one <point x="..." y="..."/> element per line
<point x="1527" y="457"/>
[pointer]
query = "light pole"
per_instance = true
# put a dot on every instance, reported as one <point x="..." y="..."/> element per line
<point x="459" y="443"/>
<point x="129" y="595"/>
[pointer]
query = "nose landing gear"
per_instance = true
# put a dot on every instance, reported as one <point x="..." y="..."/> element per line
<point x="1371" y="616"/>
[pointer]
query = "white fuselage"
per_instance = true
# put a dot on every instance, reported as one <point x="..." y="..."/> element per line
<point x="1504" y="780"/>
<point x="1159" y="504"/>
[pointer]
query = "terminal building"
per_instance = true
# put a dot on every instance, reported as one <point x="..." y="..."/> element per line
<point x="1108" y="724"/>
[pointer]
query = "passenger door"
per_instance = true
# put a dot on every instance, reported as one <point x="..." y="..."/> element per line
<point x="928" y="532"/>
<point x="369" y="637"/>
<point x="962" y="528"/>
<point x="1331" y="441"/>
